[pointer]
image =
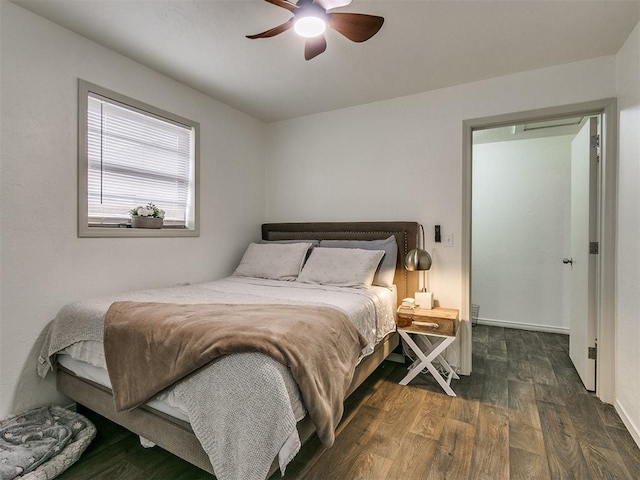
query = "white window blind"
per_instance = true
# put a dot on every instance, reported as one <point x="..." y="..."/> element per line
<point x="134" y="158"/>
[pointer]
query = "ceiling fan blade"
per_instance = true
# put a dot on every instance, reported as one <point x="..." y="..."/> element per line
<point x="284" y="4"/>
<point x="357" y="27"/>
<point x="273" y="31"/>
<point x="314" y="47"/>
<point x="329" y="4"/>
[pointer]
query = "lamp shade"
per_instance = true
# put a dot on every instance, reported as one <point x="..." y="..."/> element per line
<point x="417" y="259"/>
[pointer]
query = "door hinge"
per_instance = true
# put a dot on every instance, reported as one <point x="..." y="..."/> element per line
<point x="592" y="353"/>
<point x="595" y="141"/>
<point x="593" y="248"/>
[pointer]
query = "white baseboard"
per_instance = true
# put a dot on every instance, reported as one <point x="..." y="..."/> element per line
<point x="523" y="326"/>
<point x="633" y="429"/>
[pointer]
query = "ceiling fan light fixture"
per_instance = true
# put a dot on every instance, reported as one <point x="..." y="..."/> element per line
<point x="310" y="26"/>
<point x="310" y="20"/>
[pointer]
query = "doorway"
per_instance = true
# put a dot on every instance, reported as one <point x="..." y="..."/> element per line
<point x="604" y="233"/>
<point x="530" y="217"/>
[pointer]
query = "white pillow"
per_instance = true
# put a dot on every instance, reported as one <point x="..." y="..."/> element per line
<point x="341" y="267"/>
<point x="387" y="269"/>
<point x="275" y="261"/>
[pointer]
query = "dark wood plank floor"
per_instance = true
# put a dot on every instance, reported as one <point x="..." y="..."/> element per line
<point x="522" y="414"/>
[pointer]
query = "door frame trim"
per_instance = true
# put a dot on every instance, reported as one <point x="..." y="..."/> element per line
<point x="607" y="211"/>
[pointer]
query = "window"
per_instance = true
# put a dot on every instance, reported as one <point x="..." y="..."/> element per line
<point x="132" y="154"/>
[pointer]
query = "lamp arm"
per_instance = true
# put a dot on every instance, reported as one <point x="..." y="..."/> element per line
<point x="424" y="272"/>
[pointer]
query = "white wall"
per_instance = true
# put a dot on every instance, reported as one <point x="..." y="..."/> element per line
<point x="401" y="159"/>
<point x="521" y="231"/>
<point x="44" y="264"/>
<point x="628" y="266"/>
<point x="394" y="160"/>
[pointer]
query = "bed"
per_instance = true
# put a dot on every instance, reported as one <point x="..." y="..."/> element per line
<point x="167" y="428"/>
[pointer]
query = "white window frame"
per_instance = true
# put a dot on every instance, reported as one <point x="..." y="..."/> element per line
<point x="84" y="230"/>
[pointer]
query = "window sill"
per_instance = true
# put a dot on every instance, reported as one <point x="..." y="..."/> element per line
<point x="113" y="232"/>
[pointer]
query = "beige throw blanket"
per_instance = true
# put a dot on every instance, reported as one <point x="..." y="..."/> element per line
<point x="149" y="346"/>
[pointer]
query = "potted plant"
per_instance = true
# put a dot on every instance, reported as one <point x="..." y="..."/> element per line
<point x="146" y="216"/>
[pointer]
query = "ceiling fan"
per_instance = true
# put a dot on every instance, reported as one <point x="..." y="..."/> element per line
<point x="311" y="18"/>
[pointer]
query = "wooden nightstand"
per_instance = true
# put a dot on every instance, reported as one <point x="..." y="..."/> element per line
<point x="435" y="330"/>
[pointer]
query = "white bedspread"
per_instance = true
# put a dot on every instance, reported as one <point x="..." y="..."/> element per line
<point x="372" y="311"/>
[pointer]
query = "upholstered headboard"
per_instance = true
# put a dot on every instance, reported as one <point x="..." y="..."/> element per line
<point x="406" y="234"/>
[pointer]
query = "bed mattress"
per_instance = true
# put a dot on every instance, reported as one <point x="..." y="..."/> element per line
<point x="371" y="310"/>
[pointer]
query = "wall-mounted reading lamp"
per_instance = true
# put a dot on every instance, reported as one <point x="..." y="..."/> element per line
<point x="419" y="260"/>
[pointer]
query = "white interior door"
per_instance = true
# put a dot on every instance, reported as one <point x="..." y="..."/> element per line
<point x="584" y="174"/>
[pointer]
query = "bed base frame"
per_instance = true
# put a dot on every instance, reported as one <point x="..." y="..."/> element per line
<point x="176" y="436"/>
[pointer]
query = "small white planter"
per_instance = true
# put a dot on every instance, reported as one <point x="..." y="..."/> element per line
<point x="146" y="222"/>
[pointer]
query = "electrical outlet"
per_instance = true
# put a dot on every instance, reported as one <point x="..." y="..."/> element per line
<point x="448" y="239"/>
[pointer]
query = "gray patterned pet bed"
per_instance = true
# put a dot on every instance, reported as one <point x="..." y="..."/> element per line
<point x="42" y="443"/>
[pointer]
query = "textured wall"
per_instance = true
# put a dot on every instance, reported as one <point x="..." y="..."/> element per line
<point x="401" y="159"/>
<point x="628" y="268"/>
<point x="44" y="264"/>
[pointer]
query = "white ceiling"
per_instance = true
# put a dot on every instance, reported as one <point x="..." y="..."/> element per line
<point x="423" y="45"/>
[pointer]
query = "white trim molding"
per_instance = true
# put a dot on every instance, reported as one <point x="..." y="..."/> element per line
<point x="607" y="211"/>
<point x="523" y="326"/>
<point x="632" y="427"/>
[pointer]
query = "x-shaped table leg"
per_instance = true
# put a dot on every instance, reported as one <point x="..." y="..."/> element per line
<point x="429" y="347"/>
<point x="434" y="352"/>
